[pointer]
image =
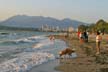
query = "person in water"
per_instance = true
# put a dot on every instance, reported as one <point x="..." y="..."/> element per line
<point x="51" y="37"/>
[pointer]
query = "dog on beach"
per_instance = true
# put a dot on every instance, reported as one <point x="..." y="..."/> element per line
<point x="67" y="51"/>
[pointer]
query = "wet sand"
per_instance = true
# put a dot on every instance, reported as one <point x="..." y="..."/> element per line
<point x="46" y="67"/>
<point x="86" y="61"/>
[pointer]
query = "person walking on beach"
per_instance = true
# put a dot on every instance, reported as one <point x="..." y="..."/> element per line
<point x="98" y="41"/>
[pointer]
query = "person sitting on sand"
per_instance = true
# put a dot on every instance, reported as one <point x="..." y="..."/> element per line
<point x="98" y="41"/>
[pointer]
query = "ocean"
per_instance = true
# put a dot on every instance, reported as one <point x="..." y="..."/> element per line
<point x="20" y="51"/>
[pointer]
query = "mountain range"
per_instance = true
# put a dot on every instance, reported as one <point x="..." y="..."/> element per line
<point x="24" y="21"/>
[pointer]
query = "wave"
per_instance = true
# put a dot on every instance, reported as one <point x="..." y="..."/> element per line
<point x="42" y="43"/>
<point x="42" y="51"/>
<point x="24" y="40"/>
<point x="25" y="61"/>
<point x="16" y="41"/>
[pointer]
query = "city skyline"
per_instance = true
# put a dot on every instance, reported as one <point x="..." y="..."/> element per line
<point x="83" y="10"/>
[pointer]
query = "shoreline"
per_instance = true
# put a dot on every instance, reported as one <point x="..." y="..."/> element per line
<point x="85" y="62"/>
<point x="46" y="67"/>
<point x="51" y="65"/>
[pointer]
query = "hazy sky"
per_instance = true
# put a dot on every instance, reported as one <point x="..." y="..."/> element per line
<point x="82" y="10"/>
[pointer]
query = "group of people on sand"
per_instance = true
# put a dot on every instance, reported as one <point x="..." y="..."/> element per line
<point x="83" y="37"/>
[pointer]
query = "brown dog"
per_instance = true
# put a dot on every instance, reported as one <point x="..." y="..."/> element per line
<point x="67" y="51"/>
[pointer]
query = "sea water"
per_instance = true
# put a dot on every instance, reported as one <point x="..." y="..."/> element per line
<point x="22" y="50"/>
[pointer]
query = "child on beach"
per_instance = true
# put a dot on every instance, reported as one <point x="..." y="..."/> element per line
<point x="98" y="41"/>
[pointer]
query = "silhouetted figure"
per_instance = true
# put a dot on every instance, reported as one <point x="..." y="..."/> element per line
<point x="85" y="36"/>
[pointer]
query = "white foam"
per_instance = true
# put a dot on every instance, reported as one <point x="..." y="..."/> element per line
<point x="37" y="45"/>
<point x="36" y="37"/>
<point x="25" y="40"/>
<point x="30" y="39"/>
<point x="25" y="61"/>
<point x="44" y="42"/>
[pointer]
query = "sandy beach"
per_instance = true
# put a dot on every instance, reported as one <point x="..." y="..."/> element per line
<point x="46" y="67"/>
<point x="85" y="62"/>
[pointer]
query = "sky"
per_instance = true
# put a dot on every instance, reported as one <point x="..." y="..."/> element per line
<point x="83" y="10"/>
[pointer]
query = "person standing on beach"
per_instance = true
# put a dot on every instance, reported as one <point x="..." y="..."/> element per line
<point x="85" y="37"/>
<point x="98" y="41"/>
<point x="81" y="36"/>
<point x="78" y="34"/>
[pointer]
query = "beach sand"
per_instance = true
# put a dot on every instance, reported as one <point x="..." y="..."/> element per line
<point x="46" y="67"/>
<point x="85" y="62"/>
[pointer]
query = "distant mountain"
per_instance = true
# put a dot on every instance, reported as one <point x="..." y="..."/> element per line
<point x="37" y="22"/>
